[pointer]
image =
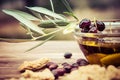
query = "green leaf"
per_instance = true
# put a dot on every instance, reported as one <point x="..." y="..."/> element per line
<point x="50" y="23"/>
<point x="24" y="20"/>
<point x="67" y="5"/>
<point x="71" y="14"/>
<point x="40" y="43"/>
<point x="69" y="28"/>
<point x="26" y="15"/>
<point x="46" y="12"/>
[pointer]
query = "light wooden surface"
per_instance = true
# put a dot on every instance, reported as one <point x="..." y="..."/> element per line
<point x="12" y="54"/>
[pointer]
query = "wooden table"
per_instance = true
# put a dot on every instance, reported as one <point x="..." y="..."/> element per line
<point x="13" y="54"/>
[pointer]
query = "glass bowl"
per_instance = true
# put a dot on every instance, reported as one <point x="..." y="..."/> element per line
<point x="101" y="48"/>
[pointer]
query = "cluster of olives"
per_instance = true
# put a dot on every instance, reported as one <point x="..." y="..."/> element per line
<point x="66" y="67"/>
<point x="87" y="26"/>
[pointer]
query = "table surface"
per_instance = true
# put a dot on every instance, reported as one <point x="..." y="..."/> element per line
<point x="13" y="54"/>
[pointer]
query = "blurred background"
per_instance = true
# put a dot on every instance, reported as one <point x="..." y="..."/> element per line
<point x="100" y="9"/>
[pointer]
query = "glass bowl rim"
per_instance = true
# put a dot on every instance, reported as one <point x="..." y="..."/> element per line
<point x="100" y="35"/>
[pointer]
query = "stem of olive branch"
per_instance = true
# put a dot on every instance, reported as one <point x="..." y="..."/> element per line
<point x="52" y="6"/>
<point x="49" y="33"/>
<point x="51" y="2"/>
<point x="67" y="5"/>
<point x="40" y="43"/>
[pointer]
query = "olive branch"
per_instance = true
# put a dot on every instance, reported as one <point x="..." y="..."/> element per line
<point x="52" y="19"/>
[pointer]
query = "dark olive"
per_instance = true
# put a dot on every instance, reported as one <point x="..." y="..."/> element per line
<point x="82" y="62"/>
<point x="53" y="66"/>
<point x="60" y="71"/>
<point x="65" y="64"/>
<point x="68" y="55"/>
<point x="55" y="73"/>
<point x="75" y="65"/>
<point x="100" y="25"/>
<point x="85" y="23"/>
<point x="67" y="68"/>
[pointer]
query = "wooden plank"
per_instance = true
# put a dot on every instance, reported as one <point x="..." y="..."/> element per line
<point x="12" y="54"/>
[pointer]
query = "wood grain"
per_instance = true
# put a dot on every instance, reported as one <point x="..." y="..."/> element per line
<point x="12" y="54"/>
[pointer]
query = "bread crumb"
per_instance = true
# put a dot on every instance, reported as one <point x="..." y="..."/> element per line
<point x="94" y="72"/>
<point x="30" y="75"/>
<point x="33" y="65"/>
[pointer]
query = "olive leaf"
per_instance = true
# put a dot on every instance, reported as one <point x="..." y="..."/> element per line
<point x="26" y="15"/>
<point x="50" y="23"/>
<point x="24" y="20"/>
<point x="69" y="28"/>
<point x="67" y="5"/>
<point x="46" y="12"/>
<point x="71" y="14"/>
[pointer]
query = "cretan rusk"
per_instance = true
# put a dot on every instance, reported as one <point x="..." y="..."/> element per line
<point x="33" y="65"/>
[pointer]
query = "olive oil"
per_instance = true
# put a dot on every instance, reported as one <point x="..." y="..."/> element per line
<point x="95" y="51"/>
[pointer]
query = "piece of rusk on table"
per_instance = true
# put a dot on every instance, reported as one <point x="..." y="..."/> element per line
<point x="45" y="74"/>
<point x="33" y="65"/>
<point x="42" y="75"/>
<point x="94" y="72"/>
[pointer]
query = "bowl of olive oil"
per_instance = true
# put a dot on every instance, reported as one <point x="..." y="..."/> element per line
<point x="99" y="41"/>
